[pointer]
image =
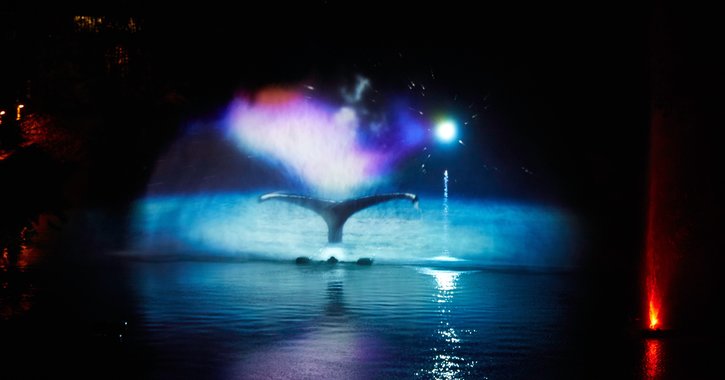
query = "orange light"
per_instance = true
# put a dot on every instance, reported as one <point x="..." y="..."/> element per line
<point x="654" y="303"/>
<point x="17" y="116"/>
<point x="653" y="315"/>
<point x="276" y="95"/>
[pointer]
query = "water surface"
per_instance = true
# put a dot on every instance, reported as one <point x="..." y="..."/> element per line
<point x="280" y="320"/>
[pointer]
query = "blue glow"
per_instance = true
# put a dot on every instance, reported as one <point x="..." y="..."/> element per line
<point x="446" y="131"/>
<point x="237" y="226"/>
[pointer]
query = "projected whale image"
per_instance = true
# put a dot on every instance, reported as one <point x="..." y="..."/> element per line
<point x="220" y="204"/>
<point x="335" y="213"/>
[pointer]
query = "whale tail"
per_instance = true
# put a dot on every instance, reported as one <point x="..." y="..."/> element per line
<point x="336" y="213"/>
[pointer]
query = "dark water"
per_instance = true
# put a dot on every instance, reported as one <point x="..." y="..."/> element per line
<point x="278" y="320"/>
<point x="204" y="319"/>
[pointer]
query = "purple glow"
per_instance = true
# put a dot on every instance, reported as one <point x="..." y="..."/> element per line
<point x="317" y="143"/>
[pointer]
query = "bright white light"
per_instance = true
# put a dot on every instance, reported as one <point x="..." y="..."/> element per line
<point x="446" y="131"/>
<point x="445" y="279"/>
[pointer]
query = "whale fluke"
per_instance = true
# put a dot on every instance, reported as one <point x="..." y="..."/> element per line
<point x="336" y="213"/>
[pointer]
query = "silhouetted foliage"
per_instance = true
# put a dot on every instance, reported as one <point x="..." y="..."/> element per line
<point x="31" y="187"/>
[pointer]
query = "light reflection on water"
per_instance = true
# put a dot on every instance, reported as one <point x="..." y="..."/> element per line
<point x="279" y="320"/>
<point x="17" y="290"/>
<point x="446" y="362"/>
<point x="653" y="359"/>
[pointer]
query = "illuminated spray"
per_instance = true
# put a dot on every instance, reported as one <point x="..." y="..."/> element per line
<point x="295" y="133"/>
<point x="445" y="213"/>
<point x="664" y="220"/>
<point x="328" y="147"/>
